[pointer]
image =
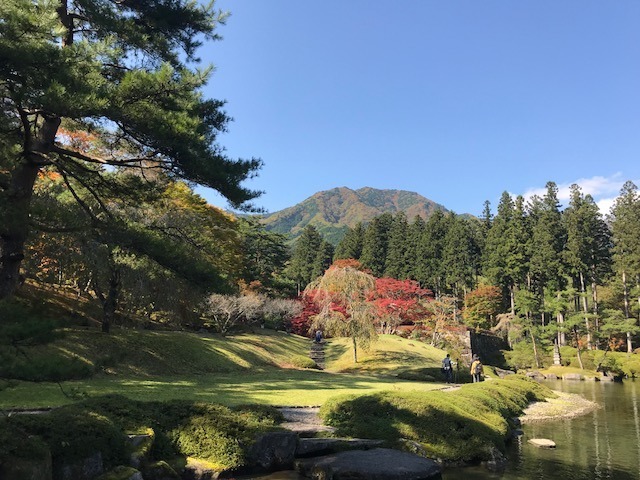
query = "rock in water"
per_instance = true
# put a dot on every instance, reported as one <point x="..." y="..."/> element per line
<point x="542" y="442"/>
<point x="375" y="464"/>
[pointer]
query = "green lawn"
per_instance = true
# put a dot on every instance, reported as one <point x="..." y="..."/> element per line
<point x="251" y="368"/>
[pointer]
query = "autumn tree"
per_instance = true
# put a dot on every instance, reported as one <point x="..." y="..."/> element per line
<point x="398" y="301"/>
<point x="345" y="310"/>
<point x="481" y="306"/>
<point x="122" y="71"/>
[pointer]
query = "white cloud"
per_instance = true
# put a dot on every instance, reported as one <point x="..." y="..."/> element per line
<point x="604" y="190"/>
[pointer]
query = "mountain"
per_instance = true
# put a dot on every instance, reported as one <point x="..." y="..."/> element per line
<point x="333" y="211"/>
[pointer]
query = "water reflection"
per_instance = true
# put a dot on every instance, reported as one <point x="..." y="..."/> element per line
<point x="602" y="445"/>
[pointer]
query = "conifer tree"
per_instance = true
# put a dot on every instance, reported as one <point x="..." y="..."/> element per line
<point x="323" y="260"/>
<point x="303" y="259"/>
<point x="375" y="244"/>
<point x="122" y="71"/>
<point x="626" y="243"/>
<point x="412" y="267"/>
<point x="351" y="244"/>
<point x="396" y="251"/>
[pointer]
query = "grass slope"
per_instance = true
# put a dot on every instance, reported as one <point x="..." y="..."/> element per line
<point x="240" y="369"/>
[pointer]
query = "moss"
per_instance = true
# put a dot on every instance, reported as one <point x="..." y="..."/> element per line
<point x="302" y="361"/>
<point x="118" y="473"/>
<point x="457" y="425"/>
<point x="215" y="433"/>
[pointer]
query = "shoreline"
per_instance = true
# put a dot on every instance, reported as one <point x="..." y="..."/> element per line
<point x="565" y="406"/>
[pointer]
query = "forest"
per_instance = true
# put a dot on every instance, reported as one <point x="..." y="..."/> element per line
<point x="101" y="147"/>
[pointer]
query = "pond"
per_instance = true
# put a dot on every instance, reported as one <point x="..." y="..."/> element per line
<point x="604" y="444"/>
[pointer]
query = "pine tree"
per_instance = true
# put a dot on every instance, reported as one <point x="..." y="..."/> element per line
<point x="625" y="228"/>
<point x="396" y="251"/>
<point x="323" y="260"/>
<point x="351" y="244"/>
<point x="412" y="267"/>
<point x="375" y="244"/>
<point x="303" y="259"/>
<point x="123" y="72"/>
<point x="430" y="266"/>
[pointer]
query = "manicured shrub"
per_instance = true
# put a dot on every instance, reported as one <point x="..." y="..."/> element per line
<point x="457" y="425"/>
<point x="302" y="361"/>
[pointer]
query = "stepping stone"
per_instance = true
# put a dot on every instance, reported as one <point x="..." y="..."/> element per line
<point x="542" y="442"/>
<point x="375" y="464"/>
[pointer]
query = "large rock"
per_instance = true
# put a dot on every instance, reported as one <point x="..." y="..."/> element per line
<point x="542" y="442"/>
<point x="159" y="471"/>
<point x="497" y="462"/>
<point x="140" y="446"/>
<point x="572" y="376"/>
<point x="196" y="469"/>
<point x="314" y="447"/>
<point x="535" y="375"/>
<point x="375" y="464"/>
<point x="86" y="469"/>
<point x="273" y="451"/>
<point x="15" y="468"/>
<point x="121" y="473"/>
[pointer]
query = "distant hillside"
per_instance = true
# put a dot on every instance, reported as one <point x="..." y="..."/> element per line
<point x="333" y="211"/>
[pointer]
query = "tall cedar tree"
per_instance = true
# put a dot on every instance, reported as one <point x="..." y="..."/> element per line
<point x="351" y="244"/>
<point x="396" y="251"/>
<point x="625" y="227"/>
<point x="303" y="260"/>
<point x="122" y="71"/>
<point x="375" y="244"/>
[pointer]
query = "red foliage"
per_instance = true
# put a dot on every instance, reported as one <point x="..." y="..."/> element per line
<point x="398" y="301"/>
<point x="301" y="324"/>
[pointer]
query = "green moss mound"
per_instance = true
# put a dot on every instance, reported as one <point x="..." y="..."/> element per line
<point x="215" y="433"/>
<point x="451" y="425"/>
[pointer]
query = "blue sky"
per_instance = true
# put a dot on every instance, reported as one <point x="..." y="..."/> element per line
<point x="456" y="100"/>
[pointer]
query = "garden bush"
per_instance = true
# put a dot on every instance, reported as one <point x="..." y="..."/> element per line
<point x="457" y="425"/>
<point x="215" y="433"/>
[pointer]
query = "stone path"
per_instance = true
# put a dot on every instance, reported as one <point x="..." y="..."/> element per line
<point x="303" y="420"/>
<point x="317" y="354"/>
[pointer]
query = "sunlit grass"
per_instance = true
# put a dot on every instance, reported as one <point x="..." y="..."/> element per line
<point x="388" y="355"/>
<point x="275" y="387"/>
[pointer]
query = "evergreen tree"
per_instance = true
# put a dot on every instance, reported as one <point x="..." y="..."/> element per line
<point x="548" y="241"/>
<point x="323" y="260"/>
<point x="458" y="265"/>
<point x="396" y="252"/>
<point x="375" y="244"/>
<point x="430" y="268"/>
<point x="122" y="72"/>
<point x="351" y="244"/>
<point x="625" y="228"/>
<point x="303" y="259"/>
<point x="412" y="267"/>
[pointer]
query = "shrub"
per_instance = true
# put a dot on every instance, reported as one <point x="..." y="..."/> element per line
<point x="457" y="425"/>
<point x="302" y="361"/>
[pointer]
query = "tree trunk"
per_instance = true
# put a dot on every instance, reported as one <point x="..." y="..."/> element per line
<point x="594" y="296"/>
<point x="561" y="336"/>
<point x="626" y="309"/>
<point x="111" y="301"/>
<point x="535" y="348"/>
<point x="16" y="208"/>
<point x="585" y="309"/>
<point x="355" y="350"/>
<point x="14" y="226"/>
<point x="575" y="334"/>
<point x="512" y="299"/>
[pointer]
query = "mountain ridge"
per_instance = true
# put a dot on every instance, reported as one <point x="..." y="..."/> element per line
<point x="333" y="211"/>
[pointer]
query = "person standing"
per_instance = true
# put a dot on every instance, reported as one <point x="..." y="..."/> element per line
<point x="447" y="369"/>
<point x="476" y="369"/>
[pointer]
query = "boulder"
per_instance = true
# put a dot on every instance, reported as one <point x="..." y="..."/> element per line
<point x="535" y="375"/>
<point x="552" y="376"/>
<point x="17" y="468"/>
<point x="159" y="471"/>
<point x="542" y="442"/>
<point x="141" y="445"/>
<point x="572" y="376"/>
<point x="273" y="451"/>
<point x="607" y="378"/>
<point x="314" y="447"/>
<point x="121" y="473"/>
<point x="592" y="379"/>
<point x="497" y="461"/>
<point x="503" y="373"/>
<point x="375" y="464"/>
<point x="86" y="469"/>
<point x="197" y="469"/>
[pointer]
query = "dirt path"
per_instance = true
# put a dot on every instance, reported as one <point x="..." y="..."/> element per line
<point x="303" y="419"/>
